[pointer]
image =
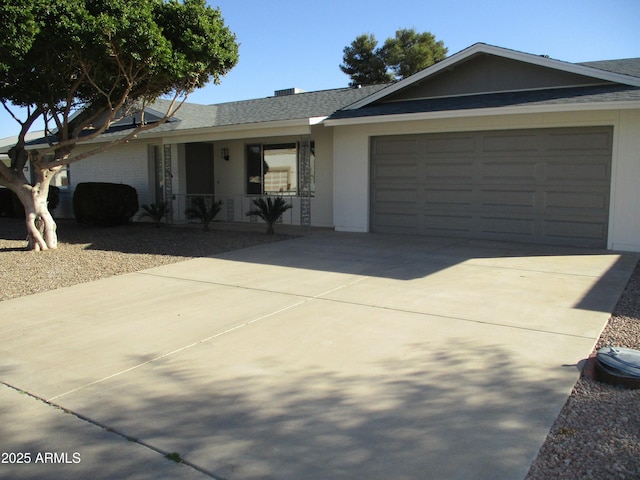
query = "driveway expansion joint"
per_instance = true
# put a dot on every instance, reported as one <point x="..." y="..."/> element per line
<point x="108" y="429"/>
<point x="322" y="296"/>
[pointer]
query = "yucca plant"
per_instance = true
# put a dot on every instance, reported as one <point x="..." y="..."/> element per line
<point x="155" y="211"/>
<point x="269" y="209"/>
<point x="200" y="211"/>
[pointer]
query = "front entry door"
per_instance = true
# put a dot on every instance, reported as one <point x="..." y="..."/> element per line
<point x="199" y="163"/>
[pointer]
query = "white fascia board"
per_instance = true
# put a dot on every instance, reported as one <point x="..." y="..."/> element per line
<point x="301" y="122"/>
<point x="500" y="52"/>
<point x="11" y="140"/>
<point x="317" y="120"/>
<point x="482" y="112"/>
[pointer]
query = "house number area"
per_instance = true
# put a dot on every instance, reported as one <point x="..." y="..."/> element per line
<point x="40" y="457"/>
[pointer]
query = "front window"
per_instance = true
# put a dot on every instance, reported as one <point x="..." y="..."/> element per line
<point x="273" y="169"/>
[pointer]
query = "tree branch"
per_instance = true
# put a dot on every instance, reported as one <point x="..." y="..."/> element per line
<point x="171" y="110"/>
<point x="18" y="153"/>
<point x="4" y="104"/>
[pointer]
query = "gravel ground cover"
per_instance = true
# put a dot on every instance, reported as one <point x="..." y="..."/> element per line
<point x="86" y="254"/>
<point x="596" y="435"/>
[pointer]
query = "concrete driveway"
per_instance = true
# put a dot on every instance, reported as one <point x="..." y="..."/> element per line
<point x="332" y="356"/>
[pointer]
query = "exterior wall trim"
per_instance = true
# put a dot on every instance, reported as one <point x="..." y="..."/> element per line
<point x="482" y="112"/>
<point x="297" y="127"/>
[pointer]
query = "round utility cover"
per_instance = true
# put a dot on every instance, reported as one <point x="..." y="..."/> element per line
<point x="622" y="361"/>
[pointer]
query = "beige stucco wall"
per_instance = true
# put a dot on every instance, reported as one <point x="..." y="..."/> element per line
<point x="351" y="179"/>
<point x="351" y="162"/>
<point x="230" y="175"/>
<point x="624" y="222"/>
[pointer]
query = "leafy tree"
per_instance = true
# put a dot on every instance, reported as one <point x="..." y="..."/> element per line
<point x="363" y="63"/>
<point x="78" y="66"/>
<point x="410" y="52"/>
<point x="400" y="57"/>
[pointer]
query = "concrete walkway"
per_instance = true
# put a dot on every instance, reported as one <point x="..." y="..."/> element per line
<point x="332" y="356"/>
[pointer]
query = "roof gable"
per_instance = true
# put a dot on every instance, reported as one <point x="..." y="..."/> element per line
<point x="484" y="68"/>
<point x="488" y="73"/>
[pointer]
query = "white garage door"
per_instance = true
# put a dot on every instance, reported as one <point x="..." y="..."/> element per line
<point x="546" y="186"/>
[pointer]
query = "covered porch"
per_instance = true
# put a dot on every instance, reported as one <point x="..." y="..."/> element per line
<point x="235" y="171"/>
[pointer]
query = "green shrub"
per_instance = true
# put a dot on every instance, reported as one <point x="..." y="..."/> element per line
<point x="6" y="202"/>
<point x="200" y="211"/>
<point x="53" y="198"/>
<point x="156" y="212"/>
<point x="104" y="204"/>
<point x="10" y="205"/>
<point x="269" y="209"/>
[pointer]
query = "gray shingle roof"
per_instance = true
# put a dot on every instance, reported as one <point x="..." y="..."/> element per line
<point x="332" y="103"/>
<point x="626" y="66"/>
<point x="557" y="96"/>
<point x="298" y="106"/>
<point x="271" y="109"/>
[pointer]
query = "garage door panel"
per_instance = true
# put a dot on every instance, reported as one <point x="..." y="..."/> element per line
<point x="506" y="228"/>
<point x="440" y="171"/>
<point x="509" y="143"/>
<point x="440" y="197"/>
<point x="578" y="170"/>
<point x="538" y="185"/>
<point x="392" y="222"/>
<point x="401" y="171"/>
<point x="406" y="196"/>
<point x="407" y="145"/>
<point x="498" y="198"/>
<point x="451" y="145"/>
<point x="577" y="201"/>
<point x="573" y="232"/>
<point x="577" y="142"/>
<point x="447" y="225"/>
<point x="515" y="170"/>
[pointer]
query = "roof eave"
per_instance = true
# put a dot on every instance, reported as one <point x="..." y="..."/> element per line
<point x="482" y="112"/>
<point x="302" y="123"/>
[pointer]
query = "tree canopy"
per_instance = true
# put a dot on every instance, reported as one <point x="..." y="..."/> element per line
<point x="363" y="62"/>
<point x="78" y="66"/>
<point x="401" y="56"/>
<point x="98" y="56"/>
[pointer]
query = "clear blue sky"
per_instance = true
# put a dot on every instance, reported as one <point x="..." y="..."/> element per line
<point x="287" y="43"/>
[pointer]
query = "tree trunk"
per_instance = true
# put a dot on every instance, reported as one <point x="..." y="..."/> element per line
<point x="41" y="227"/>
<point x="41" y="230"/>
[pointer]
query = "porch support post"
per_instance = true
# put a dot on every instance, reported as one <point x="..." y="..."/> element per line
<point x="305" y="180"/>
<point x="168" y="184"/>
